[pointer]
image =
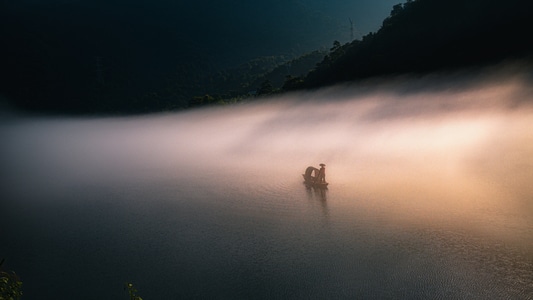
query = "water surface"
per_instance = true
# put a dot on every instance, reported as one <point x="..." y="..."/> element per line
<point x="430" y="196"/>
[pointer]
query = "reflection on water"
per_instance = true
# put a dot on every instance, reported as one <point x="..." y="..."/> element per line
<point x="430" y="196"/>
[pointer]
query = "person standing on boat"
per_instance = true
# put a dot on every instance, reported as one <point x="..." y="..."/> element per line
<point x="321" y="178"/>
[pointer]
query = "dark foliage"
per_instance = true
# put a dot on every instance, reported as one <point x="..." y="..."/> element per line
<point x="121" y="56"/>
<point x="428" y="35"/>
<point x="10" y="285"/>
<point x="258" y="77"/>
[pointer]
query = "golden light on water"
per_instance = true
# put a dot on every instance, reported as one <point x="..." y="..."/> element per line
<point x="436" y="157"/>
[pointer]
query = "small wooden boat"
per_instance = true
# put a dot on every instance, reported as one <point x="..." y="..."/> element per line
<point x="315" y="178"/>
<point x="321" y="185"/>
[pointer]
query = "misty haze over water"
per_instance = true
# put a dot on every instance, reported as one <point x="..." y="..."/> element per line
<point x="430" y="196"/>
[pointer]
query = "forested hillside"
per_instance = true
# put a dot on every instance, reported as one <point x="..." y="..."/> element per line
<point x="130" y="57"/>
<point x="258" y="77"/>
<point x="429" y="35"/>
<point x="117" y="56"/>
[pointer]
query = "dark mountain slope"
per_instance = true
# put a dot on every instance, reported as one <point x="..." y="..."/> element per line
<point x="430" y="35"/>
<point x="109" y="56"/>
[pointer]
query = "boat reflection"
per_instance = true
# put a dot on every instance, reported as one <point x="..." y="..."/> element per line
<point x="316" y="193"/>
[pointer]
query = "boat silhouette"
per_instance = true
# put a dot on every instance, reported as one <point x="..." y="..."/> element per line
<point x="315" y="177"/>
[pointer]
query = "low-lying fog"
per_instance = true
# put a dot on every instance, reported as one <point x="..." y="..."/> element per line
<point x="410" y="135"/>
<point x="447" y="151"/>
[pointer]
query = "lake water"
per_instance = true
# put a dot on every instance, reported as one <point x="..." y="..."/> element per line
<point x="430" y="197"/>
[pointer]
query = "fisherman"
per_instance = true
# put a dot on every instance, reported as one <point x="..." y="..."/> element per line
<point x="321" y="178"/>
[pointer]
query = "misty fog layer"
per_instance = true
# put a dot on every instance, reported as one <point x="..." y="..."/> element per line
<point x="444" y="162"/>
<point x="396" y="130"/>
